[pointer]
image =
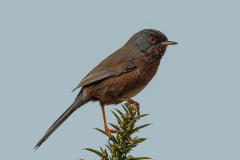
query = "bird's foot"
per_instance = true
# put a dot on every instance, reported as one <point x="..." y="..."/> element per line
<point x="109" y="131"/>
<point x="130" y="101"/>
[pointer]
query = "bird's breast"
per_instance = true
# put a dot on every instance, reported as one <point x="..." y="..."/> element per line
<point x="141" y="77"/>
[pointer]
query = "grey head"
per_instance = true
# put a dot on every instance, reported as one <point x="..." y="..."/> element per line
<point x="147" y="39"/>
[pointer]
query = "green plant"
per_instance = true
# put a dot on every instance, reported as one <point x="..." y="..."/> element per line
<point x="120" y="145"/>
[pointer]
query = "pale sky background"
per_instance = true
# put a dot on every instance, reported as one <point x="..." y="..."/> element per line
<point x="47" y="47"/>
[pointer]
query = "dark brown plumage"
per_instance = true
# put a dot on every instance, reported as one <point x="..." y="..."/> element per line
<point x="120" y="76"/>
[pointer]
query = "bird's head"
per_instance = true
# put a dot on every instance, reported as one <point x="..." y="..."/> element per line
<point x="148" y="39"/>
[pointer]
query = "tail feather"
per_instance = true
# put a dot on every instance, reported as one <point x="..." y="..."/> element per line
<point x="76" y="104"/>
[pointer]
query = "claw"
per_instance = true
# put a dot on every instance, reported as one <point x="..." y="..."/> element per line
<point x="130" y="101"/>
<point x="109" y="131"/>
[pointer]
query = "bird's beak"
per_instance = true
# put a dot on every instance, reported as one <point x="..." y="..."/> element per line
<point x="168" y="43"/>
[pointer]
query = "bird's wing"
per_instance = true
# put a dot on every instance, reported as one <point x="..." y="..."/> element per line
<point x="116" y="64"/>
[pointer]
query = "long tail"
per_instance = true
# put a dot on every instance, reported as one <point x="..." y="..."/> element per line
<point x="76" y="104"/>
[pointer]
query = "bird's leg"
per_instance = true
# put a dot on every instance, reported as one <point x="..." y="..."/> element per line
<point x="109" y="131"/>
<point x="130" y="101"/>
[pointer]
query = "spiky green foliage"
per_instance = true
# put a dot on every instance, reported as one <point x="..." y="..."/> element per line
<point x="120" y="145"/>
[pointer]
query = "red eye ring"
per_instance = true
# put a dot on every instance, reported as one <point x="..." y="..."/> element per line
<point x="152" y="39"/>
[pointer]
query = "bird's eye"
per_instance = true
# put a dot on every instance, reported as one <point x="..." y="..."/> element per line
<point x="152" y="39"/>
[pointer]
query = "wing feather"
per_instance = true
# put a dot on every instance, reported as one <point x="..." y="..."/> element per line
<point x="116" y="64"/>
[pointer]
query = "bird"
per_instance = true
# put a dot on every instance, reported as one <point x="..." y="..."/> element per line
<point x="120" y="76"/>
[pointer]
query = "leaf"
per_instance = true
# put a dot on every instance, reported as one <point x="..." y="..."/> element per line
<point x="118" y="139"/>
<point x="114" y="126"/>
<point x="104" y="132"/>
<point x="125" y="109"/>
<point x="142" y="158"/>
<point x="139" y="127"/>
<point x="119" y="112"/>
<point x="94" y="151"/>
<point x="119" y="120"/>
<point x="133" y="121"/>
<point x="110" y="149"/>
<point x="142" y="115"/>
<point x="139" y="140"/>
<point x="126" y="150"/>
<point x="113" y="139"/>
